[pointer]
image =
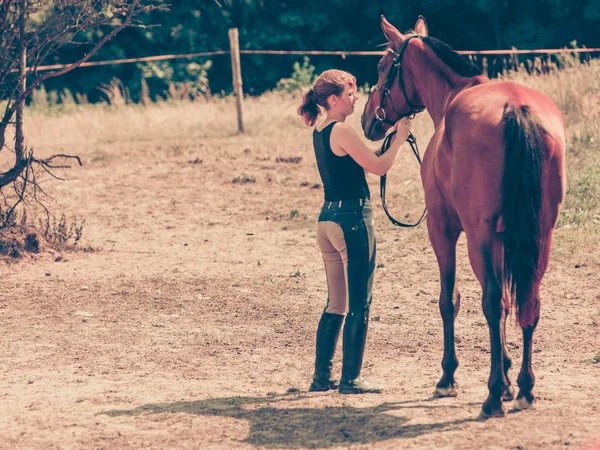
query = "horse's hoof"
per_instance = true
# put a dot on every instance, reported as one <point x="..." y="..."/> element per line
<point x="492" y="407"/>
<point x="522" y="403"/>
<point x="495" y="413"/>
<point x="508" y="394"/>
<point x="445" y="392"/>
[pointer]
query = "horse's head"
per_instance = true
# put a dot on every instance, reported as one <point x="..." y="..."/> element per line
<point x="394" y="96"/>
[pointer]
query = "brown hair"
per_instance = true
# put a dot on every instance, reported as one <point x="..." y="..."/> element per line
<point x="329" y="82"/>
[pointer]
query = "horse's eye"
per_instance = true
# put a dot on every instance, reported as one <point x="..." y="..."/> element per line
<point x="380" y="69"/>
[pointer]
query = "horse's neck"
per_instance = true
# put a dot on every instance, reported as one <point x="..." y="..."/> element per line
<point x="437" y="83"/>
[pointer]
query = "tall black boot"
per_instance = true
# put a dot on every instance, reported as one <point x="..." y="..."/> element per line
<point x="355" y="337"/>
<point x="327" y="337"/>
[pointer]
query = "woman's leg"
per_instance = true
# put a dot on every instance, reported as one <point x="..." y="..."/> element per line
<point x="330" y="324"/>
<point x="361" y="252"/>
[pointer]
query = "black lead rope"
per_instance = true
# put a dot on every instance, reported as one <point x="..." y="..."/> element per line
<point x="382" y="183"/>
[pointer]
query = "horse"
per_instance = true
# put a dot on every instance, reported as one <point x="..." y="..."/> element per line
<point x="493" y="169"/>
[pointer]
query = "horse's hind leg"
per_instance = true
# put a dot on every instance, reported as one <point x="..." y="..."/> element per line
<point x="443" y="240"/>
<point x="528" y="319"/>
<point x="526" y="378"/>
<point x="509" y="392"/>
<point x="483" y="253"/>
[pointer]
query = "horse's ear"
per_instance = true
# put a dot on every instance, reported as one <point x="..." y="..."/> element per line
<point x="421" y="26"/>
<point x="391" y="33"/>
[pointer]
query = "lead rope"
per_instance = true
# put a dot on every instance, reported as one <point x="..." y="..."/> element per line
<point x="382" y="183"/>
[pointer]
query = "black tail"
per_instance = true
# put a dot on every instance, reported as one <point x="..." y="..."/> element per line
<point x="521" y="204"/>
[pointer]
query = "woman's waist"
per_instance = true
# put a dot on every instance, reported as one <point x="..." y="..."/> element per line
<point x="334" y="193"/>
<point x="347" y="203"/>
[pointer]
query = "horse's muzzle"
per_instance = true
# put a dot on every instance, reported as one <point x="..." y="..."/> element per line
<point x="375" y="130"/>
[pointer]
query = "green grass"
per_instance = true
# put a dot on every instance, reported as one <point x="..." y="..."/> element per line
<point x="582" y="205"/>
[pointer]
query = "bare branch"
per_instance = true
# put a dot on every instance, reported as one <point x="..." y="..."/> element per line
<point x="47" y="170"/>
<point x="37" y="187"/>
<point x="31" y="31"/>
<point x="48" y="161"/>
<point x="104" y="40"/>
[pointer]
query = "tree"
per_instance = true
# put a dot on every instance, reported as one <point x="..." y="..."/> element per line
<point x="201" y="26"/>
<point x="30" y="31"/>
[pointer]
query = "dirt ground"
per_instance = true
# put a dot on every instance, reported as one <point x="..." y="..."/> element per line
<point x="192" y="325"/>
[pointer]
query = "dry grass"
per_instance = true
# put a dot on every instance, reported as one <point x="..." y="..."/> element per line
<point x="272" y="123"/>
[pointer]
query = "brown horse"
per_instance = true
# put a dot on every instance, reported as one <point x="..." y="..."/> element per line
<point x="494" y="169"/>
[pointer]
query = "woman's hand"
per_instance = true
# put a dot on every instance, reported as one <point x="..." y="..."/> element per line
<point x="402" y="129"/>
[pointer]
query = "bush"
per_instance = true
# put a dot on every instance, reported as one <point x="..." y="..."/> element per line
<point x="302" y="77"/>
<point x="189" y="83"/>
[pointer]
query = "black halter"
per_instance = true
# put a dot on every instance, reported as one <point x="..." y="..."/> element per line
<point x="383" y="181"/>
<point x="396" y="71"/>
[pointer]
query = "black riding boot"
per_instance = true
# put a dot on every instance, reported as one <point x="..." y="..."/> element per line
<point x="355" y="336"/>
<point x="327" y="337"/>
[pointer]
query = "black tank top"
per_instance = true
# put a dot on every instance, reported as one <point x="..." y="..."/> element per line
<point x="343" y="178"/>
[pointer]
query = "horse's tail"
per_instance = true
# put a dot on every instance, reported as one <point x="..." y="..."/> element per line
<point x="521" y="206"/>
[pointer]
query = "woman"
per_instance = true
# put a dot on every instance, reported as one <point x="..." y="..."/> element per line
<point x="345" y="232"/>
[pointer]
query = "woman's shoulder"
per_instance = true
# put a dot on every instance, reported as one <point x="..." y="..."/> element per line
<point x="343" y="129"/>
<point x="322" y="126"/>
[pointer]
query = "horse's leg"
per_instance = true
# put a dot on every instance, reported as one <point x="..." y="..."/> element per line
<point x="528" y="319"/>
<point x="483" y="253"/>
<point x="509" y="392"/>
<point x="526" y="378"/>
<point x="443" y="240"/>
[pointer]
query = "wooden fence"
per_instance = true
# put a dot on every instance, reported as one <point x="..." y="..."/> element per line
<point x="235" y="53"/>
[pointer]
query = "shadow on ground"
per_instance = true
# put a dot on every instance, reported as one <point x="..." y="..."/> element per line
<point x="287" y="427"/>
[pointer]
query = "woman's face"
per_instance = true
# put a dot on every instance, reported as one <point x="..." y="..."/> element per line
<point x="344" y="103"/>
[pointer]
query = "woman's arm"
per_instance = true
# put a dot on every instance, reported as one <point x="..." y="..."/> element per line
<point x="345" y="140"/>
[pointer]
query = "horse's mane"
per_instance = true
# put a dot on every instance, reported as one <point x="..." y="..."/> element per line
<point x="456" y="62"/>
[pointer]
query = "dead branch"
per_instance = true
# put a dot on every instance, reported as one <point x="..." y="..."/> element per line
<point x="46" y="165"/>
<point x="47" y="162"/>
<point x="130" y="13"/>
<point x="73" y="19"/>
<point x="22" y="44"/>
<point x="27" y="181"/>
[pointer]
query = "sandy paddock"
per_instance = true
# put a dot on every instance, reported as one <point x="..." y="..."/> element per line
<point x="192" y="324"/>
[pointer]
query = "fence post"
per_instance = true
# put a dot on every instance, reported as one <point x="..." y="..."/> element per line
<point x="236" y="70"/>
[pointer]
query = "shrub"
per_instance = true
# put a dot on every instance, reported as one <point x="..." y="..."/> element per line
<point x="302" y="77"/>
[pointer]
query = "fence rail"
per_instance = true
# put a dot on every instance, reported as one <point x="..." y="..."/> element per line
<point x="235" y="53"/>
<point x="343" y="54"/>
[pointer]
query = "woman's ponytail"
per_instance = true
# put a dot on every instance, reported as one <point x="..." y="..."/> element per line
<point x="309" y="110"/>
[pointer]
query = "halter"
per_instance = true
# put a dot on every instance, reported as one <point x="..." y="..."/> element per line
<point x="381" y="116"/>
<point x="396" y="70"/>
<point x="383" y="181"/>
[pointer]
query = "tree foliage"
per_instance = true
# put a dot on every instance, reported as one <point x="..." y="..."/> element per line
<point x="201" y="25"/>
